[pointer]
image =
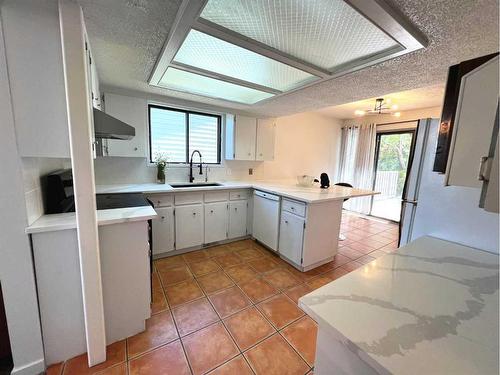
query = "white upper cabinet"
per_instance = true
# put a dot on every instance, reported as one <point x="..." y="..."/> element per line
<point x="266" y="133"/>
<point x="473" y="129"/>
<point x="132" y="111"/>
<point x="245" y="130"/>
<point x="34" y="57"/>
<point x="249" y="138"/>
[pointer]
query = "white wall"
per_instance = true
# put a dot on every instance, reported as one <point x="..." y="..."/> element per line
<point x="452" y="212"/>
<point x="306" y="143"/>
<point x="16" y="266"/>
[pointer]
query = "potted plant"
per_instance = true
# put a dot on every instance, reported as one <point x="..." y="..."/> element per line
<point x="161" y="163"/>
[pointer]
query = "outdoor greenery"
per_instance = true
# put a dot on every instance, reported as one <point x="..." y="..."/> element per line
<point x="393" y="155"/>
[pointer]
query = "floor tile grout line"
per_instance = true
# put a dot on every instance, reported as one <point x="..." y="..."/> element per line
<point x="296" y="351"/>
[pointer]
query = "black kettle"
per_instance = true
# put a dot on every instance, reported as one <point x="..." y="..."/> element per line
<point x="325" y="181"/>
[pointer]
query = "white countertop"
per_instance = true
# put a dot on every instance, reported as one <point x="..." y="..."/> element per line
<point x="286" y="189"/>
<point x="55" y="222"/>
<point x="429" y="308"/>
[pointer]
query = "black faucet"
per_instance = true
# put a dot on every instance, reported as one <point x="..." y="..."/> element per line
<point x="191" y="178"/>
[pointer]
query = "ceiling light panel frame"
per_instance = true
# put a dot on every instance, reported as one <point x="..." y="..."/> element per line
<point x="379" y="13"/>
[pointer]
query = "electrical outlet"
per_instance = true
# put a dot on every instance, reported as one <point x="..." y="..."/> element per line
<point x="250" y="171"/>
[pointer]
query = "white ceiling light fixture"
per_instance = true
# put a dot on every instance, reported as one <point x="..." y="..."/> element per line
<point x="382" y="107"/>
<point x="274" y="47"/>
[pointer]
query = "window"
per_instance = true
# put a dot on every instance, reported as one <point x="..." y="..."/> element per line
<point x="176" y="133"/>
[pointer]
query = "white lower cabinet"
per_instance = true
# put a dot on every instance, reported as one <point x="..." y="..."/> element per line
<point x="216" y="221"/>
<point x="188" y="226"/>
<point x="237" y="218"/>
<point x="163" y="230"/>
<point x="291" y="237"/>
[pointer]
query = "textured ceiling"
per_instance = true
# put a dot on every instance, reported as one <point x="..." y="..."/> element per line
<point x="424" y="97"/>
<point x="127" y="36"/>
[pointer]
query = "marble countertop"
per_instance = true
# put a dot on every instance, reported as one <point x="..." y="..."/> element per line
<point x="432" y="307"/>
<point x="283" y="188"/>
<point x="55" y="222"/>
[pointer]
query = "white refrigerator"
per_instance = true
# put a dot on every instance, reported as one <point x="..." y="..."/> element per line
<point x="409" y="203"/>
<point x="429" y="208"/>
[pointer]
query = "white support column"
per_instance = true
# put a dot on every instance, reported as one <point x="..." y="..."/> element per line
<point x="79" y="120"/>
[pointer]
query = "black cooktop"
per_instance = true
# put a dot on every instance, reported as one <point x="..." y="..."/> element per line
<point x="109" y="201"/>
<point x="121" y="200"/>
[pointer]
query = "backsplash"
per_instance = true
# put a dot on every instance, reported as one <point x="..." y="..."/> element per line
<point x="123" y="170"/>
<point x="33" y="170"/>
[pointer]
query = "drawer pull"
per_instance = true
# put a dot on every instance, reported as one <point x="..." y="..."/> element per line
<point x="211" y="211"/>
<point x="236" y="208"/>
<point x="194" y="213"/>
<point x="286" y="221"/>
<point x="292" y="208"/>
<point x="163" y="217"/>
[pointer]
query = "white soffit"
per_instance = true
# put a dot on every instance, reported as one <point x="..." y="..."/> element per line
<point x="425" y="97"/>
<point x="278" y="46"/>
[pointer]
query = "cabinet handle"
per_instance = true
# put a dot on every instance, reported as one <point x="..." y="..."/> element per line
<point x="236" y="208"/>
<point x="292" y="208"/>
<point x="135" y="148"/>
<point x="194" y="213"/>
<point x="211" y="211"/>
<point x="286" y="221"/>
<point x="163" y="217"/>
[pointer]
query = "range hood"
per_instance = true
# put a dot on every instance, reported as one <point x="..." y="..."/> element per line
<point x="108" y="127"/>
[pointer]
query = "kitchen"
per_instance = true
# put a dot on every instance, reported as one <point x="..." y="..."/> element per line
<point x="164" y="203"/>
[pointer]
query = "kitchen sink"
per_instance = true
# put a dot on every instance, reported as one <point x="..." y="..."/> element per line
<point x="195" y="185"/>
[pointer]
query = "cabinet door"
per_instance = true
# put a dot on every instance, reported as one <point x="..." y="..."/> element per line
<point x="163" y="230"/>
<point x="215" y="221"/>
<point x="474" y="122"/>
<point x="266" y="129"/>
<point x="244" y="137"/>
<point x="291" y="235"/>
<point x="237" y="219"/>
<point x="188" y="226"/>
<point x="132" y="111"/>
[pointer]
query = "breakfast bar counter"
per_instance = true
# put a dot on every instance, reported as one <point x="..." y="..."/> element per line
<point x="429" y="308"/>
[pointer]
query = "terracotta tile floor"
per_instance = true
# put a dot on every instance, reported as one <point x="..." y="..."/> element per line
<point x="232" y="309"/>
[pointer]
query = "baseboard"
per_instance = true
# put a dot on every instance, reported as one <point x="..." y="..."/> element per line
<point x="33" y="368"/>
<point x="201" y="247"/>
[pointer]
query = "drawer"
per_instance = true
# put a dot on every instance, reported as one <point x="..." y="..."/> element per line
<point x="239" y="194"/>
<point x="161" y="200"/>
<point x="297" y="208"/>
<point x="188" y="198"/>
<point x="216" y="196"/>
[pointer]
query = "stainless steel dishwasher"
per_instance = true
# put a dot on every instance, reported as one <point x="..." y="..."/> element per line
<point x="266" y="218"/>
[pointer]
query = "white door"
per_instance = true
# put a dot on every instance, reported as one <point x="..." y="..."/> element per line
<point x="266" y="210"/>
<point x="244" y="138"/>
<point x="188" y="226"/>
<point x="215" y="221"/>
<point x="266" y="129"/>
<point x="237" y="219"/>
<point x="163" y="230"/>
<point x="291" y="235"/>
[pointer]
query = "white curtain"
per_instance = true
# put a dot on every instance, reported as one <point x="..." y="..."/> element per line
<point x="357" y="159"/>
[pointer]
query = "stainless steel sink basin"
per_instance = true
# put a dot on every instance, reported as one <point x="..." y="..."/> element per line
<point x="195" y="185"/>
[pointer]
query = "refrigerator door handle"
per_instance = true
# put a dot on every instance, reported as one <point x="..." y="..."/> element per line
<point x="410" y="201"/>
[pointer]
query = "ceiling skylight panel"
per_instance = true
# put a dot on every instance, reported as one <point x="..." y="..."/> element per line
<point x="181" y="80"/>
<point x="206" y="52"/>
<point x="326" y="33"/>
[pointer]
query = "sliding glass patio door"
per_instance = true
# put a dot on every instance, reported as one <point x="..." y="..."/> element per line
<point x="392" y="154"/>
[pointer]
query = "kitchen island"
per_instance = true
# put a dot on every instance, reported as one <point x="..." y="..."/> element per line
<point x="301" y="224"/>
<point x="429" y="308"/>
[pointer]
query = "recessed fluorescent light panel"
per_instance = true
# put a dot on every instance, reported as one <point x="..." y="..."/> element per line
<point x="206" y="52"/>
<point x="181" y="80"/>
<point x="251" y="50"/>
<point x="325" y="33"/>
